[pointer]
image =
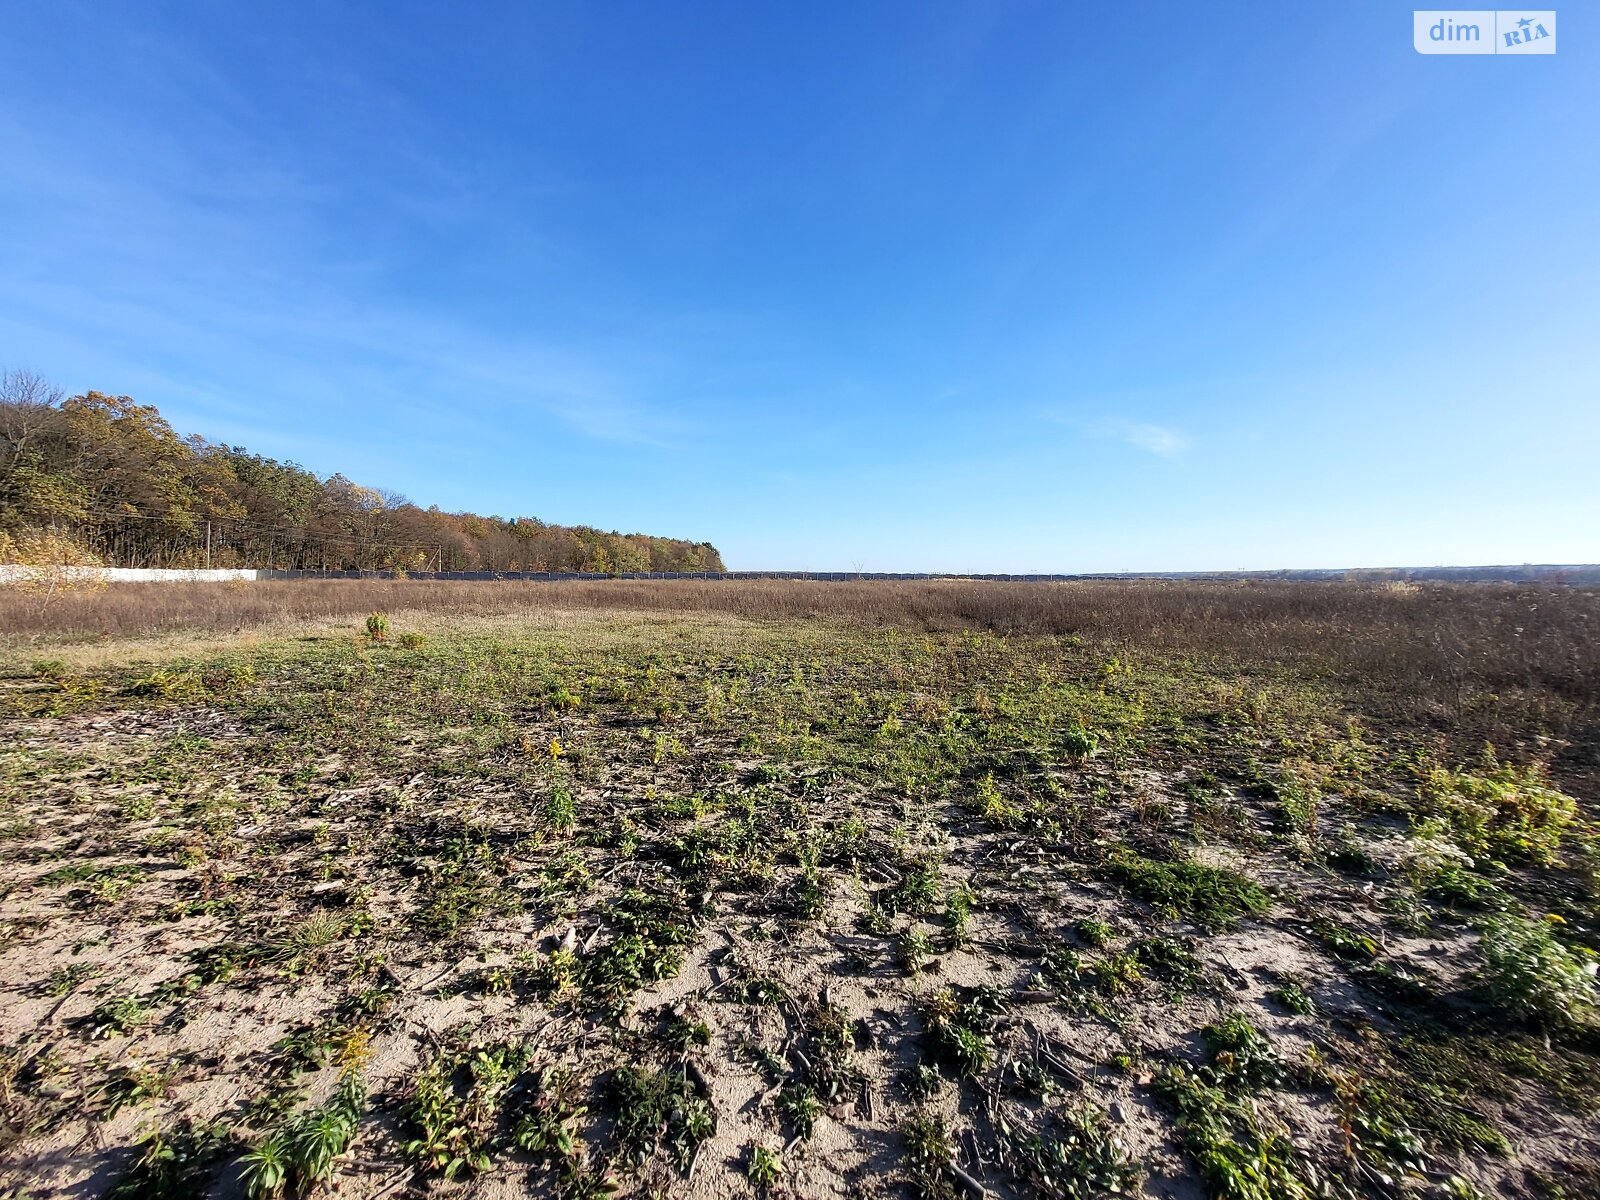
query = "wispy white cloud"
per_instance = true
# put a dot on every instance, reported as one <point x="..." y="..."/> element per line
<point x="226" y="265"/>
<point x="215" y="254"/>
<point x="1160" y="440"/>
<point x="1163" y="441"/>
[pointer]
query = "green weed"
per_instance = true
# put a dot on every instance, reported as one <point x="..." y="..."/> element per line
<point x="1528" y="971"/>
<point x="1294" y="998"/>
<point x="928" y="1156"/>
<point x="763" y="1168"/>
<point x="958" y="905"/>
<point x="1170" y="959"/>
<point x="1093" y="933"/>
<point x="174" y="1164"/>
<point x="651" y="931"/>
<point x="302" y="1153"/>
<point x="131" y="1085"/>
<point x="549" y="1127"/>
<point x="1500" y="810"/>
<point x="1082" y="1159"/>
<point x="1241" y="1057"/>
<point x="956" y="1031"/>
<point x="1211" y="897"/>
<point x="799" y="1105"/>
<point x="454" y="1110"/>
<point x="118" y="1016"/>
<point x="1239" y="1154"/>
<point x="912" y="949"/>
<point x="919" y="888"/>
<point x="660" y="1109"/>
<point x="560" y="810"/>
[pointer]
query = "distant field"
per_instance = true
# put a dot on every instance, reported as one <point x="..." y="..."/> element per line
<point x="734" y="888"/>
<point x="1490" y="660"/>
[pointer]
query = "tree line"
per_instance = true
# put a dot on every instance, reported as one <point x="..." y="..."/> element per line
<point x="100" y="478"/>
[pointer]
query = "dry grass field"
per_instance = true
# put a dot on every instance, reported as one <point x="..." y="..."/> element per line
<point x="1258" y="891"/>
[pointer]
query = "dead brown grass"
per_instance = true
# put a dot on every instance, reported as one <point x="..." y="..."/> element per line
<point x="1443" y="645"/>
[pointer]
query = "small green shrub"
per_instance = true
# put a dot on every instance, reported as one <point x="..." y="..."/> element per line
<point x="1211" y="897"/>
<point x="1118" y="974"/>
<point x="1459" y="888"/>
<point x="377" y="627"/>
<point x="991" y="802"/>
<point x="563" y="699"/>
<point x="1503" y="810"/>
<point x="549" y="1127"/>
<point x="957" y="1032"/>
<point x="958" y="904"/>
<point x="847" y="842"/>
<point x="758" y="989"/>
<point x="264" y="1169"/>
<point x="455" y="1129"/>
<point x="1299" y="801"/>
<point x="1078" y="742"/>
<point x="559" y="974"/>
<point x="117" y="1016"/>
<point x="651" y="931"/>
<point x="833" y="1072"/>
<point x="1237" y="1156"/>
<point x="911" y="948"/>
<point x="1528" y="971"/>
<point x="1170" y="959"/>
<point x="443" y="1141"/>
<point x="1345" y="942"/>
<point x="230" y="679"/>
<point x="810" y="896"/>
<point x="1241" y="1057"/>
<point x="1063" y="967"/>
<point x="131" y="1085"/>
<point x="918" y="890"/>
<point x="682" y="1032"/>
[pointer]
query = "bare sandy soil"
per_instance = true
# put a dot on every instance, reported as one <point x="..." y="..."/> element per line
<point x="954" y="884"/>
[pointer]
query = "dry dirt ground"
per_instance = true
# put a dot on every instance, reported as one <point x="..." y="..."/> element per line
<point x="676" y="905"/>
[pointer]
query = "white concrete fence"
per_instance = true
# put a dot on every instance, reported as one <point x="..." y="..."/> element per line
<point x="15" y="574"/>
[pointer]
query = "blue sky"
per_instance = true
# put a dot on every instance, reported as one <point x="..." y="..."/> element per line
<point x="894" y="286"/>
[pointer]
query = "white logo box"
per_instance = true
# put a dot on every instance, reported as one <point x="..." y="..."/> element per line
<point x="1484" y="31"/>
